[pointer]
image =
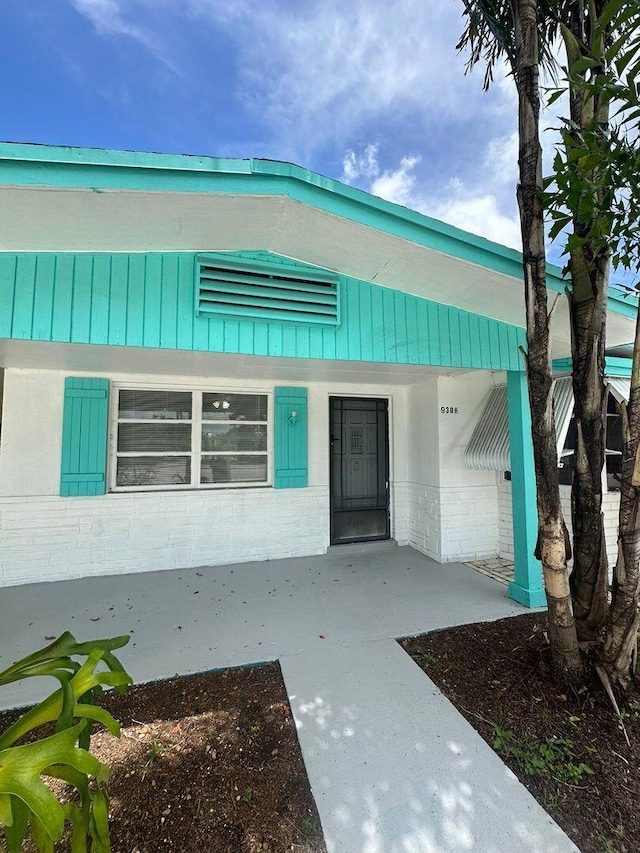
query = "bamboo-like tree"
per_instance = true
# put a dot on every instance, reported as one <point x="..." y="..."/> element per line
<point x="519" y="35"/>
<point x="591" y="168"/>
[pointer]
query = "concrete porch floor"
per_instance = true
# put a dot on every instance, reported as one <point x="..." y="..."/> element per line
<point x="393" y="766"/>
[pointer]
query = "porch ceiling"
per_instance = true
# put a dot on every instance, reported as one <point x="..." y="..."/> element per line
<point x="120" y="359"/>
<point x="68" y="219"/>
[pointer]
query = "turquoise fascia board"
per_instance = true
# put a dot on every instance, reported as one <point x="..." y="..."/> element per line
<point x="562" y="366"/>
<point x="618" y="366"/>
<point x="613" y="366"/>
<point x="24" y="164"/>
<point x="148" y="300"/>
<point x="527" y="587"/>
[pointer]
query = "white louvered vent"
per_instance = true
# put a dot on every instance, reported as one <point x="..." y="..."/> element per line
<point x="249" y="289"/>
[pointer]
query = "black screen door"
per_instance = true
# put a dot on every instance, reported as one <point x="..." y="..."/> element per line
<point x="359" y="469"/>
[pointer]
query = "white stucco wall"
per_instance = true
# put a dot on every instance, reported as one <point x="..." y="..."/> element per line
<point x="46" y="537"/>
<point x="453" y="511"/>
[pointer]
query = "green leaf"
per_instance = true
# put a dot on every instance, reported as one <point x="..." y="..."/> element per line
<point x="22" y="766"/>
<point x="16" y="831"/>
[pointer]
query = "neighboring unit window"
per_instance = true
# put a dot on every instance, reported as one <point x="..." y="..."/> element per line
<point x="613" y="451"/>
<point x="178" y="439"/>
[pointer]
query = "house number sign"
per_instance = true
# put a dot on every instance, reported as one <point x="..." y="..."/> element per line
<point x="448" y="410"/>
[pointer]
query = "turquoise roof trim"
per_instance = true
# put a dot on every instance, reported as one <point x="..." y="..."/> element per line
<point x="24" y="164"/>
<point x="612" y="367"/>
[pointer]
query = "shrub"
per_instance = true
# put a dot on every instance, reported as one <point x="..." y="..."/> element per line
<point x="26" y="800"/>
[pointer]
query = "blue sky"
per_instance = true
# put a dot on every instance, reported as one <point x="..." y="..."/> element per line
<point x="369" y="92"/>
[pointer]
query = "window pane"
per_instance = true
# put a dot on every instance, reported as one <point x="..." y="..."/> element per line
<point x="234" y="469"/>
<point x="155" y="437"/>
<point x="153" y="470"/>
<point x="220" y="406"/>
<point x="231" y="437"/>
<point x="160" y="405"/>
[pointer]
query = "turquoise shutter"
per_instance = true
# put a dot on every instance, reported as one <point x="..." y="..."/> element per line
<point x="290" y="438"/>
<point x="84" y="437"/>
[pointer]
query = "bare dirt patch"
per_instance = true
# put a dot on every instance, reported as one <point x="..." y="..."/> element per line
<point x="207" y="764"/>
<point x="567" y="748"/>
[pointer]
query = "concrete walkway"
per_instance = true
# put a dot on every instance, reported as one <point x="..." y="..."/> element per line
<point x="393" y="766"/>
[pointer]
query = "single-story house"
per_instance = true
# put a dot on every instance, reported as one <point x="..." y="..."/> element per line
<point x="208" y="361"/>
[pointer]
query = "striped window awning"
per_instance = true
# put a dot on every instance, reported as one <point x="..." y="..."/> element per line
<point x="488" y="448"/>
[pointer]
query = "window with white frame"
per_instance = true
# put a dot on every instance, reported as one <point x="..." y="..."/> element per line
<point x="190" y="439"/>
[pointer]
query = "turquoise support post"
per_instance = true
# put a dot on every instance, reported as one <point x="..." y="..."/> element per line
<point x="527" y="588"/>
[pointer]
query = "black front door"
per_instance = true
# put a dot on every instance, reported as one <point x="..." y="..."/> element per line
<point x="359" y="469"/>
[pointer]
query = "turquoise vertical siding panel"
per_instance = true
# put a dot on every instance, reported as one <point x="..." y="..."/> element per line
<point x="119" y="298"/>
<point x="455" y="338"/>
<point x="288" y="338"/>
<point x="81" y="301"/>
<point x="464" y="326"/>
<point x="354" y="338"/>
<point x="136" y="300"/>
<point x="149" y="300"/>
<point x="413" y="332"/>
<point x="22" y="326"/>
<point x="329" y="343"/>
<point x="423" y="331"/>
<point x="63" y="298"/>
<point x="43" y="297"/>
<point x="169" y="304"/>
<point x="8" y="279"/>
<point x="101" y="298"/>
<point x="302" y="341"/>
<point x="186" y="302"/>
<point x="400" y="324"/>
<point x="275" y="339"/>
<point x="366" y="325"/>
<point x="245" y="337"/>
<point x="377" y="322"/>
<point x="433" y="330"/>
<point x="153" y="296"/>
<point x="84" y="437"/>
<point x="444" y="334"/>
<point x="261" y="339"/>
<point x="290" y="439"/>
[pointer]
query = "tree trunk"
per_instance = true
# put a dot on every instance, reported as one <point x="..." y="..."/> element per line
<point x="624" y="619"/>
<point x="552" y="550"/>
<point x="588" y="311"/>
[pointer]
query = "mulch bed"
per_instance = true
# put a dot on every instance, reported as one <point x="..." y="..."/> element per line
<point x="498" y="675"/>
<point x="207" y="764"/>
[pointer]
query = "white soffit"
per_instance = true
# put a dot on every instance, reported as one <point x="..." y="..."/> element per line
<point x="97" y="359"/>
<point x="47" y="219"/>
<point x="488" y="448"/>
<point x="82" y="220"/>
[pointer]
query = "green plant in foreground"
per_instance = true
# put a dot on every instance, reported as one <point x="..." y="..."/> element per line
<point x="26" y="801"/>
<point x="552" y="756"/>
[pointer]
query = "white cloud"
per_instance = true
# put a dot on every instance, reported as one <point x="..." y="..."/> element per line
<point x="398" y="185"/>
<point x="475" y="208"/>
<point x="112" y="18"/>
<point x="318" y="75"/>
<point x="363" y="165"/>
<point x="480" y="214"/>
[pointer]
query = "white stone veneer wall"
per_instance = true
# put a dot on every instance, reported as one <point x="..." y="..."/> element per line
<point x="50" y="538"/>
<point x="611" y="506"/>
